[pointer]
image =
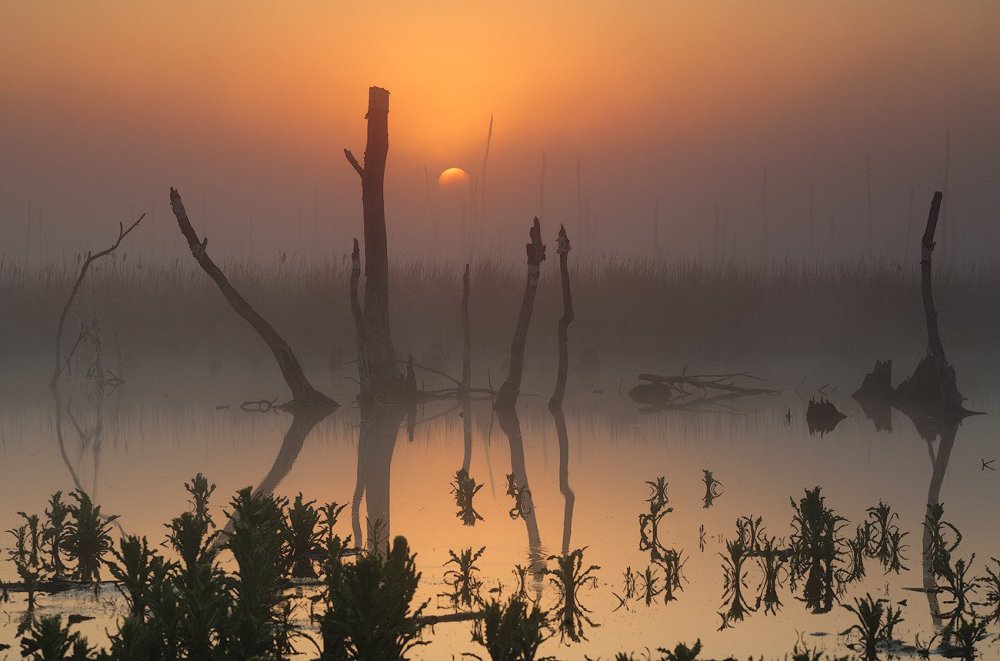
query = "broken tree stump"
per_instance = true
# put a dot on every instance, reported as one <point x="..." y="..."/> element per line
<point x="509" y="391"/>
<point x="380" y="354"/>
<point x="304" y="395"/>
<point x="562" y="248"/>
<point x="822" y="416"/>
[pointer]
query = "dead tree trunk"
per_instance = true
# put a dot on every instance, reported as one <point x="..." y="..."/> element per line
<point x="304" y="396"/>
<point x="467" y="336"/>
<point x="933" y="381"/>
<point x="567" y="318"/>
<point x="511" y="388"/>
<point x="90" y="259"/>
<point x="359" y="321"/>
<point x="380" y="355"/>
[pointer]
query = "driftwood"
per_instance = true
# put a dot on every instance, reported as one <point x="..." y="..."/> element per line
<point x="692" y="391"/>
<point x="304" y="395"/>
<point x="90" y="259"/>
<point x="510" y="390"/>
<point x="379" y="356"/>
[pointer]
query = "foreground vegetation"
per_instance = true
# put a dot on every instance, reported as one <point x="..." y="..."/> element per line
<point x="278" y="579"/>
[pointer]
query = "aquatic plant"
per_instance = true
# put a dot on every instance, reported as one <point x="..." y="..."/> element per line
<point x="54" y="532"/>
<point x="302" y="535"/>
<point x="464" y="489"/>
<point x="188" y="535"/>
<point x="464" y="581"/>
<point x="136" y="569"/>
<point x="734" y="580"/>
<point x="368" y="606"/>
<point x="959" y="586"/>
<point x="712" y="488"/>
<point x="87" y="537"/>
<point x="521" y="495"/>
<point x="964" y="634"/>
<point x="874" y="627"/>
<point x="814" y="541"/>
<point x="569" y="577"/>
<point x="682" y="652"/>
<point x="201" y="491"/>
<point x="885" y="538"/>
<point x="939" y="547"/>
<point x="47" y="639"/>
<point x="511" y="631"/>
<point x="260" y="616"/>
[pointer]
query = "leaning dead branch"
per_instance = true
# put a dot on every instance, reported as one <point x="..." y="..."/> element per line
<point x="304" y="395"/>
<point x="90" y="259"/>
<point x="509" y="391"/>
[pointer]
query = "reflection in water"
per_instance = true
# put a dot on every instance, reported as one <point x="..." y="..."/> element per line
<point x="379" y="429"/>
<point x="568" y="496"/>
<point x="713" y="488"/>
<point x="511" y="427"/>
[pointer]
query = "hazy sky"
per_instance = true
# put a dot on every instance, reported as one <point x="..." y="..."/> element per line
<point x="246" y="107"/>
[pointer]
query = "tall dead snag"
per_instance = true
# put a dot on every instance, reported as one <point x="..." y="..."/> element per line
<point x="90" y="259"/>
<point x="359" y="320"/>
<point x="511" y="388"/>
<point x="562" y="249"/>
<point x="304" y="396"/>
<point x="379" y="353"/>
<point x="466" y="336"/>
<point x="933" y="381"/>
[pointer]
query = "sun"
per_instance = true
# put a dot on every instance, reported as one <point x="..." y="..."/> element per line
<point x="453" y="181"/>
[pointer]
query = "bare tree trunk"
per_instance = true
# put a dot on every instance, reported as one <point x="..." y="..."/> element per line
<point x="359" y="323"/>
<point x="932" y="384"/>
<point x="467" y="336"/>
<point x="380" y="353"/>
<point x="304" y="396"/>
<point x="509" y="391"/>
<point x="564" y="321"/>
<point x="90" y="259"/>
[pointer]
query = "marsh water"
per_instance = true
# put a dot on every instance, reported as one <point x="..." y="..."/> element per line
<point x="133" y="448"/>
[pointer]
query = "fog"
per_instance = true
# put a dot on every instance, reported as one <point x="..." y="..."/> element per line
<point x="751" y="132"/>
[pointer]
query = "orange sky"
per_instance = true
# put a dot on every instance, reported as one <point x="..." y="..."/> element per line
<point x="249" y="105"/>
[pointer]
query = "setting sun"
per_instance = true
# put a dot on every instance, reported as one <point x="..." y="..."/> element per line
<point x="453" y="180"/>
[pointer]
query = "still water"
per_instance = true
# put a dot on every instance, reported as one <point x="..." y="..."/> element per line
<point x="134" y="451"/>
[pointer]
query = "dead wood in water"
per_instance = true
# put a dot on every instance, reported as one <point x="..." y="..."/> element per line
<point x="90" y="259"/>
<point x="562" y="249"/>
<point x="304" y="395"/>
<point x="694" y="391"/>
<point x="822" y="416"/>
<point x="359" y="321"/>
<point x="931" y="391"/>
<point x="379" y="355"/>
<point x="933" y="382"/>
<point x="509" y="391"/>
